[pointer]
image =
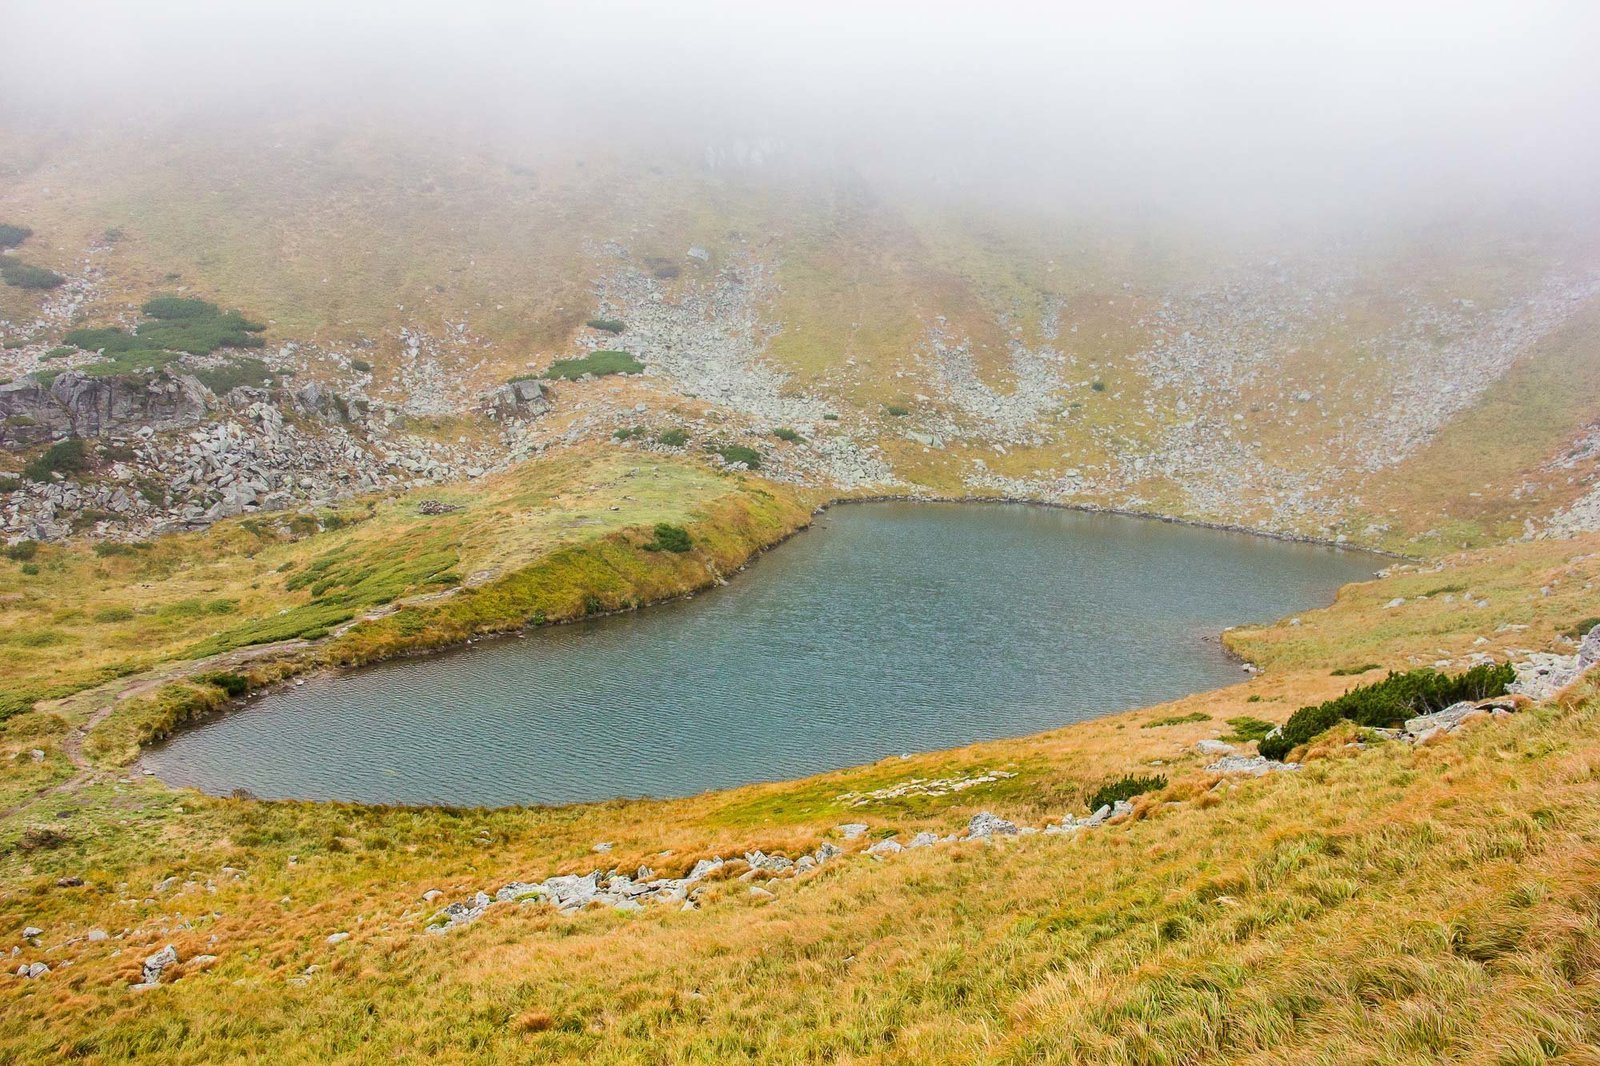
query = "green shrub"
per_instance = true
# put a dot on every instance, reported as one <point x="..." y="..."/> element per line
<point x="1247" y="728"/>
<point x="672" y="438"/>
<point x="1177" y="719"/>
<point x="739" y="453"/>
<point x="235" y="685"/>
<point x="63" y="457"/>
<point x="114" y="614"/>
<point x="111" y="547"/>
<point x="628" y="432"/>
<point x="1125" y="788"/>
<point x="11" y="236"/>
<point x="1387" y="703"/>
<point x="361" y="366"/>
<point x="22" y="551"/>
<point x="669" y="538"/>
<point x="1352" y="671"/>
<point x="193" y="327"/>
<point x="897" y="411"/>
<point x="830" y="417"/>
<point x="20" y="275"/>
<point x="9" y="484"/>
<point x="1579" y="630"/>
<point x="787" y="434"/>
<point x="60" y="353"/>
<point x="607" y="325"/>
<point x="599" y="364"/>
<point x="31" y="569"/>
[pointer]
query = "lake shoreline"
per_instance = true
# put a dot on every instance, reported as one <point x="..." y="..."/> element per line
<point x="303" y="663"/>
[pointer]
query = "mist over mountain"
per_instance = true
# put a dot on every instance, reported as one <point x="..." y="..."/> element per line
<point x="1230" y="113"/>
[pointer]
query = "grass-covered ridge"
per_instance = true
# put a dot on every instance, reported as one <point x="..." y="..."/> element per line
<point x="522" y="543"/>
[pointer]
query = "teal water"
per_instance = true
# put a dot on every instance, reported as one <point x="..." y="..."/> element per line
<point x="888" y="628"/>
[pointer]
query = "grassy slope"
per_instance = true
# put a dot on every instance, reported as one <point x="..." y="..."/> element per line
<point x="1392" y="905"/>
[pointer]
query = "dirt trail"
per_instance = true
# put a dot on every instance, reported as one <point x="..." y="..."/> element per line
<point x="106" y="697"/>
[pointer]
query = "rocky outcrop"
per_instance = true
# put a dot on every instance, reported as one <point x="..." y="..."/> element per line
<point x="520" y="399"/>
<point x="77" y="405"/>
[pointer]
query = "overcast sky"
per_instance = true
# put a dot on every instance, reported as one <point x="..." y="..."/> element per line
<point x="1212" y="102"/>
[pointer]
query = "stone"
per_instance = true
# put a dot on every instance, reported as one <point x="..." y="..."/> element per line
<point x="923" y="840"/>
<point x="157" y="964"/>
<point x="32" y="932"/>
<point x="32" y="970"/>
<point x="1214" y="747"/>
<point x="851" y="830"/>
<point x="984" y="824"/>
<point x="826" y="851"/>
<point x="760" y="893"/>
<point x="1253" y="765"/>
<point x="95" y="936"/>
<point x="1099" y="816"/>
<point x="884" y="848"/>
<point x="703" y="867"/>
<point x="1589" y="650"/>
<point x="338" y="938"/>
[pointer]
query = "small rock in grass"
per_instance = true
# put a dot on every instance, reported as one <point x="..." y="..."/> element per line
<point x="984" y="824"/>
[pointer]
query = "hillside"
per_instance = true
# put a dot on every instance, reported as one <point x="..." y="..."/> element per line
<point x="300" y="399"/>
<point x="1322" y="383"/>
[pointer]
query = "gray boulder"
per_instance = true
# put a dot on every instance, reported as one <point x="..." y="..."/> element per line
<point x="985" y="824"/>
<point x="1589" y="650"/>
<point x="1252" y="765"/>
<point x="524" y="398"/>
<point x="157" y="964"/>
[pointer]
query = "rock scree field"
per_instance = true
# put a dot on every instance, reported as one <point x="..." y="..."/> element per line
<point x="417" y="340"/>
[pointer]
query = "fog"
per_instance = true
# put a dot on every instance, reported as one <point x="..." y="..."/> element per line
<point x="1214" y="108"/>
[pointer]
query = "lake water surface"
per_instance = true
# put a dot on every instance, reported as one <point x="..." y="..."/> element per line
<point x="887" y="628"/>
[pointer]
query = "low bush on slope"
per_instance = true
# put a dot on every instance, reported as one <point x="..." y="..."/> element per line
<point x="1389" y="702"/>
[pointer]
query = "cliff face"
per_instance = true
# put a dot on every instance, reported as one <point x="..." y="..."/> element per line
<point x="77" y="405"/>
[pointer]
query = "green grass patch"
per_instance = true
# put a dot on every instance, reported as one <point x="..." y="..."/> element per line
<point x="669" y="538"/>
<point x="787" y="434"/>
<point x="12" y="235"/>
<point x="1352" y="671"/>
<point x="672" y="438"/>
<point x="20" y="275"/>
<point x="1247" y="729"/>
<point x="176" y="326"/>
<point x="607" y="325"/>
<point x="1177" y="719"/>
<point x="740" y="453"/>
<point x="597" y="364"/>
